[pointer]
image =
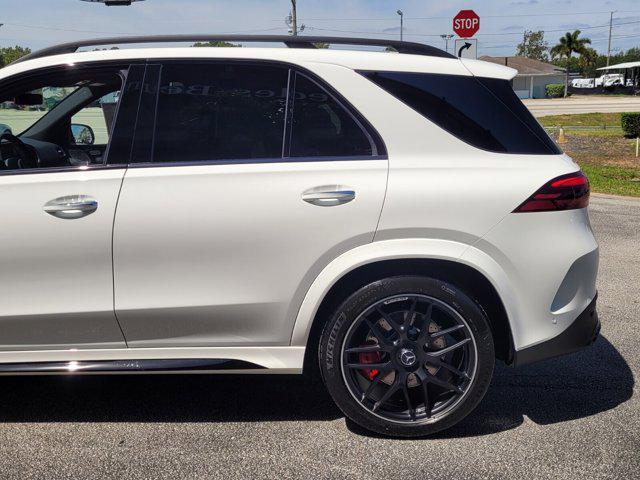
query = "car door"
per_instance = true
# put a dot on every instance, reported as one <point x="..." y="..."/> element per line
<point x="250" y="189"/>
<point x="56" y="279"/>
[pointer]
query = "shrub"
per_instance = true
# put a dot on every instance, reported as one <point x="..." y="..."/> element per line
<point x="631" y="124"/>
<point x="554" y="90"/>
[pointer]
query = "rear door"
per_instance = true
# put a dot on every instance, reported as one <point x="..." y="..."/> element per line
<point x="255" y="178"/>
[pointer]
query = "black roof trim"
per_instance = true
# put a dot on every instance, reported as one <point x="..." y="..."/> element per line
<point x="289" y="40"/>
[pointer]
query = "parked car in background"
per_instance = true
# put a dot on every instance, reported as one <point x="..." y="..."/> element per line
<point x="607" y="80"/>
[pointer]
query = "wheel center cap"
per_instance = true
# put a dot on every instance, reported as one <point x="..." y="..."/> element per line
<point x="407" y="357"/>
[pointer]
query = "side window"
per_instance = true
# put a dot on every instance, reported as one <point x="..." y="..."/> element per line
<point x="482" y="112"/>
<point x="321" y="127"/>
<point x="220" y="111"/>
<point x="41" y="106"/>
<point x="92" y="124"/>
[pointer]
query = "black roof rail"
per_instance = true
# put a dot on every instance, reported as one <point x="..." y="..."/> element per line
<point x="290" y="41"/>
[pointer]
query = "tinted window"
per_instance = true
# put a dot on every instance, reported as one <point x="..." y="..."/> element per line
<point x="483" y="112"/>
<point x="322" y="127"/>
<point x="216" y="111"/>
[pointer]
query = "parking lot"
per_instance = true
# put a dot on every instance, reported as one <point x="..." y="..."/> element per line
<point x="575" y="417"/>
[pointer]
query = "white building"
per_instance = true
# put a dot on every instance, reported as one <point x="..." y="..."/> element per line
<point x="533" y="75"/>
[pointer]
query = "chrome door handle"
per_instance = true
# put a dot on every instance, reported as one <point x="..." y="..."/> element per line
<point x="71" y="206"/>
<point x="328" y="195"/>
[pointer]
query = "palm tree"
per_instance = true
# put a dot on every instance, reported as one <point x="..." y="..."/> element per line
<point x="566" y="47"/>
<point x="587" y="61"/>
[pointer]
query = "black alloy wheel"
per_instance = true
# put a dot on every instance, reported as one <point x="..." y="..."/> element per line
<point x="405" y="355"/>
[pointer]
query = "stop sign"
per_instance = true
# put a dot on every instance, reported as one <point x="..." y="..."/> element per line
<point x="466" y="23"/>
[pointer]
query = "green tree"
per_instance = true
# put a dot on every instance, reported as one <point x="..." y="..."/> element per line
<point x="11" y="54"/>
<point x="587" y="62"/>
<point x="565" y="48"/>
<point x="533" y="46"/>
<point x="217" y="43"/>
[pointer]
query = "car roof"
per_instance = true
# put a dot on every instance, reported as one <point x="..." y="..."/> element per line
<point x="352" y="59"/>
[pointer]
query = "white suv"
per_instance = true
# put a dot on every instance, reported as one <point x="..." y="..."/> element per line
<point x="391" y="221"/>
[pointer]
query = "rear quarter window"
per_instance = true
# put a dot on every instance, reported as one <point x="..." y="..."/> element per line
<point x="483" y="112"/>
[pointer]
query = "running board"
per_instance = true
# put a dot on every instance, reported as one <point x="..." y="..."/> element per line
<point x="189" y="365"/>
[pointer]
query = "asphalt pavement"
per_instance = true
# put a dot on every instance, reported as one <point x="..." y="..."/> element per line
<point x="582" y="104"/>
<point x="573" y="417"/>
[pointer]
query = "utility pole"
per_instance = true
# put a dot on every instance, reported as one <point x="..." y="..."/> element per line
<point x="294" y="18"/>
<point x="609" y="47"/>
<point x="399" y="12"/>
<point x="446" y="37"/>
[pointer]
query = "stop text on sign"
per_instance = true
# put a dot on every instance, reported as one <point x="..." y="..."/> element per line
<point x="466" y="23"/>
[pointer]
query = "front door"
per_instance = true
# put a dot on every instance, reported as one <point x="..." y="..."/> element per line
<point x="249" y="192"/>
<point x="56" y="281"/>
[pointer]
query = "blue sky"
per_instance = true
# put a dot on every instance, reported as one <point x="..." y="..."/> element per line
<point x="39" y="23"/>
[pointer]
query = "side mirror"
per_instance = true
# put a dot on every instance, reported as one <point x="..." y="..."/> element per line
<point x="82" y="134"/>
<point x="29" y="99"/>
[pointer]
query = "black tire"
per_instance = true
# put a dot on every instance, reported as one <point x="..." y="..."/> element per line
<point x="341" y="373"/>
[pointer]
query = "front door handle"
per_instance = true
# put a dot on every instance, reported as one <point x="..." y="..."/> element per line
<point x="71" y="206"/>
<point x="329" y="195"/>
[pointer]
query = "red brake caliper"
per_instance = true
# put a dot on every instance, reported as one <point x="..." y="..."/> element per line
<point x="370" y="357"/>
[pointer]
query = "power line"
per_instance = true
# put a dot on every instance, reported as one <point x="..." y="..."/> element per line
<point x="498" y="34"/>
<point x="381" y="19"/>
<point x="65" y="29"/>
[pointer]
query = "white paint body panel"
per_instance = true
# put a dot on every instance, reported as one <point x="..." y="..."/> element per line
<point x="56" y="276"/>
<point x="219" y="254"/>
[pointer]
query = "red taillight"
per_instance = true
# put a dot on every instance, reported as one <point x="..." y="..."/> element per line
<point x="566" y="192"/>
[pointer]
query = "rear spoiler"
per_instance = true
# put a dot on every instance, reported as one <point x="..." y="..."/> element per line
<point x="479" y="68"/>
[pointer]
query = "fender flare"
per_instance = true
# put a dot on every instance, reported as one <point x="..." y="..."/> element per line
<point x="412" y="248"/>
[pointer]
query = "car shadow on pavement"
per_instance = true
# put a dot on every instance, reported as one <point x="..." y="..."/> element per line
<point x="593" y="380"/>
<point x="583" y="384"/>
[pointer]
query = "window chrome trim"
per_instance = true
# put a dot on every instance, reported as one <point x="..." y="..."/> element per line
<point x="250" y="161"/>
<point x="65" y="169"/>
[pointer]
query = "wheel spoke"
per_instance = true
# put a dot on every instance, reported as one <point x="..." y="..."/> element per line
<point x="450" y="348"/>
<point x="376" y="380"/>
<point x="405" y="391"/>
<point x="441" y="383"/>
<point x="411" y="313"/>
<point x="439" y="363"/>
<point x="424" y="332"/>
<point x="368" y="366"/>
<point x="395" y="386"/>
<point x="446" y="331"/>
<point x="373" y="326"/>
<point x="366" y="349"/>
<point x="425" y="392"/>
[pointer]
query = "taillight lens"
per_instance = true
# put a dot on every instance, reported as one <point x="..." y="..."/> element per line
<point x="566" y="192"/>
